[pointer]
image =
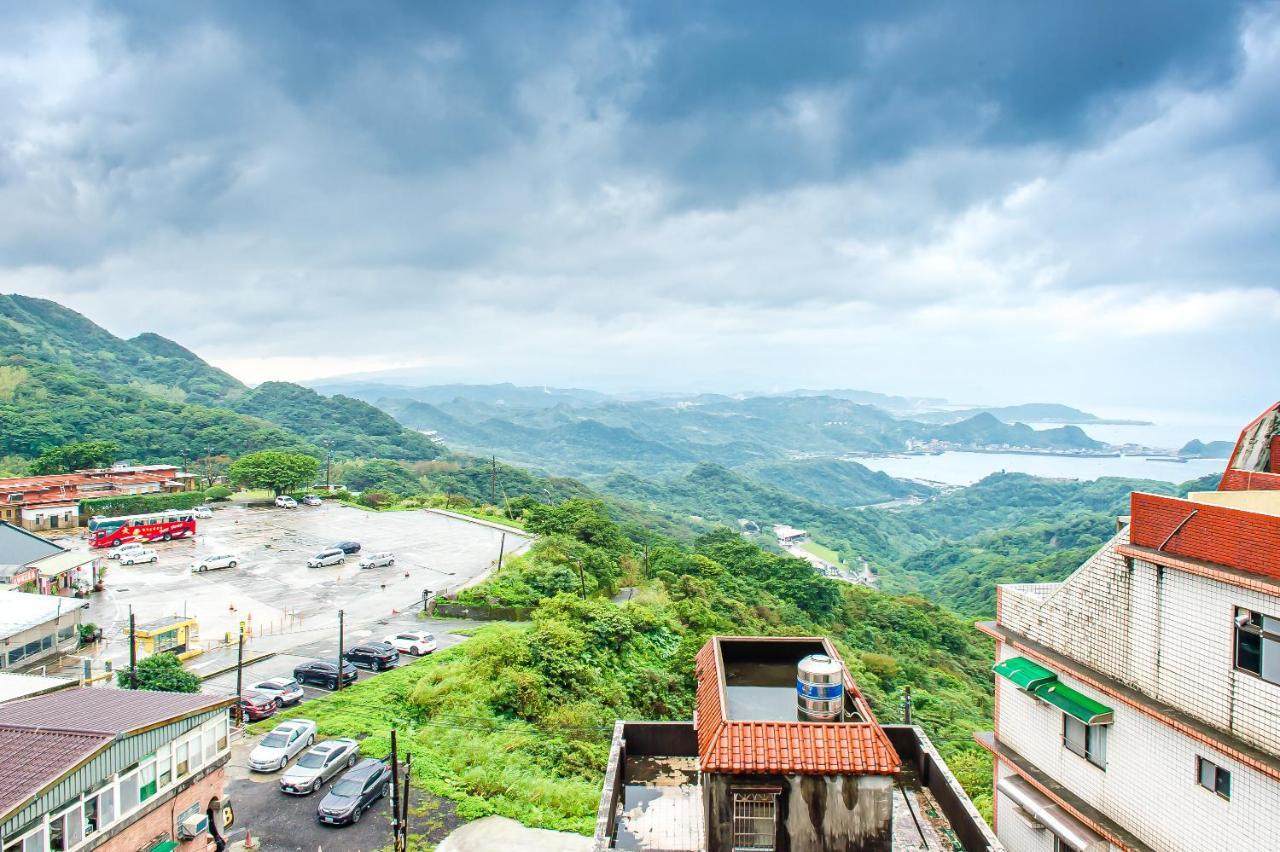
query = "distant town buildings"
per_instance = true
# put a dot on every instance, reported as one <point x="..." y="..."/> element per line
<point x="789" y="535"/>
<point x="53" y="501"/>
<point x="1138" y="701"/>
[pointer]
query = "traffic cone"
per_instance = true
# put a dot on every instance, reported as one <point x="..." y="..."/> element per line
<point x="249" y="842"/>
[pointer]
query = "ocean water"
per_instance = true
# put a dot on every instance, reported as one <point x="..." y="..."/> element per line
<point x="1168" y="430"/>
<point x="968" y="468"/>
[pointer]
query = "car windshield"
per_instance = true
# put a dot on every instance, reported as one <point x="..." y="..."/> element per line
<point x="347" y="788"/>
<point x="275" y="740"/>
<point x="313" y="759"/>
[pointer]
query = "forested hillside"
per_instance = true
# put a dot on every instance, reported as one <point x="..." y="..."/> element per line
<point x="836" y="483"/>
<point x="63" y="379"/>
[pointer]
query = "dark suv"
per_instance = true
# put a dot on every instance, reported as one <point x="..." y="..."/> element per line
<point x="324" y="673"/>
<point x="372" y="655"/>
<point x="355" y="793"/>
<point x="348" y="547"/>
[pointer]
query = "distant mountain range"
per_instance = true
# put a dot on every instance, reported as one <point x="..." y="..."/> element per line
<point x="1197" y="449"/>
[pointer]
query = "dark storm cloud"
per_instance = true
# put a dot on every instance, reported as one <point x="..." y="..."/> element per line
<point x="608" y="192"/>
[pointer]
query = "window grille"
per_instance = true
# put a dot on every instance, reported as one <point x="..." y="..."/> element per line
<point x="755" y="822"/>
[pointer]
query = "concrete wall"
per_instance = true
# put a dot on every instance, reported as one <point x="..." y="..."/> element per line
<point x="1149" y="784"/>
<point x="1164" y="632"/>
<point x="38" y="633"/>
<point x="816" y="813"/>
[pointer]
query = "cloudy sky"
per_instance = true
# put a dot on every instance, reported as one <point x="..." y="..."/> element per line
<point x="1073" y="201"/>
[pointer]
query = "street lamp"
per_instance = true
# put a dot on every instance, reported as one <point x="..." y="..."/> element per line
<point x="328" y="457"/>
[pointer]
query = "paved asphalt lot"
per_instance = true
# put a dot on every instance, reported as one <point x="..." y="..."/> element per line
<point x="289" y="607"/>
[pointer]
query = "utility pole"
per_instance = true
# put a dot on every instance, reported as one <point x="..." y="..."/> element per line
<point x="646" y="559"/>
<point x="906" y="705"/>
<point x="395" y="795"/>
<point x="133" y="653"/>
<point x="493" y="480"/>
<point x="502" y="548"/>
<point x="582" y="578"/>
<point x="328" y="458"/>
<point x="404" y="800"/>
<point x="240" y="675"/>
<point x="424" y="600"/>
<point x="208" y="465"/>
<point x="337" y="686"/>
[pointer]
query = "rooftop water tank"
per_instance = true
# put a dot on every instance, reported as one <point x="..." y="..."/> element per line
<point x="820" y="689"/>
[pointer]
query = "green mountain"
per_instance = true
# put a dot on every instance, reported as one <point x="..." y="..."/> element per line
<point x="1197" y="449"/>
<point x="63" y="379"/>
<point x="833" y="482"/>
<point x="1031" y="412"/>
<point x="353" y="427"/>
<point x="44" y="331"/>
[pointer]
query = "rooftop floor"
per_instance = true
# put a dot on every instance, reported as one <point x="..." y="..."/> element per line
<point x="661" y="806"/>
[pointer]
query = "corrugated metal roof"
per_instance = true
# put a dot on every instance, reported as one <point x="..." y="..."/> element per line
<point x="22" y="610"/>
<point x="18" y="547"/>
<point x="57" y="563"/>
<point x="34" y="759"/>
<point x="105" y="710"/>
<point x="14" y="685"/>
<point x="805" y="748"/>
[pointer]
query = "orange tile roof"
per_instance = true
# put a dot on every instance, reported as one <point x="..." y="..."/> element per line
<point x="805" y="748"/>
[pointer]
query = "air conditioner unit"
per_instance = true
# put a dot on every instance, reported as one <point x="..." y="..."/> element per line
<point x="193" y="826"/>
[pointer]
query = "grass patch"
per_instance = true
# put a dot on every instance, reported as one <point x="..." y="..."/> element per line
<point x="822" y="552"/>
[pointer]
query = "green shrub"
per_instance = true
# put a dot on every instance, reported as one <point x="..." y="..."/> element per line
<point x="217" y="492"/>
<point x="139" y="504"/>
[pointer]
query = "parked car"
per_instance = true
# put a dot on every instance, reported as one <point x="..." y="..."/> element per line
<point x="284" y="501"/>
<point x="322" y="763"/>
<point x="256" y="706"/>
<point x="348" y="546"/>
<point x="121" y="550"/>
<point x="332" y="556"/>
<point x="355" y="793"/>
<point x="278" y="747"/>
<point x="202" y="513"/>
<point x="375" y="656"/>
<point x="324" y="673"/>
<point x="139" y="556"/>
<point x="213" y="563"/>
<point x="311" y="500"/>
<point x="416" y="642"/>
<point x="377" y="560"/>
<point x="285" y="690"/>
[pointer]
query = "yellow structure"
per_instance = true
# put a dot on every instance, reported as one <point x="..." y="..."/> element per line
<point x="176" y="634"/>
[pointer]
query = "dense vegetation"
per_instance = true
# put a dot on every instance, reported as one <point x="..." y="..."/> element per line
<point x="516" y="721"/>
<point x="841" y="484"/>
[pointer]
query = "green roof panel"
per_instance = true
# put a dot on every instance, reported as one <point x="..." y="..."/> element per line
<point x="1075" y="704"/>
<point x="1023" y="673"/>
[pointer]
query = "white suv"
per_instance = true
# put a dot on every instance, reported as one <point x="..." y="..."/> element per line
<point x="213" y="563"/>
<point x="135" y="557"/>
<point x="284" y="501"/>
<point x="416" y="642"/>
<point x="377" y="560"/>
<point x="124" y="550"/>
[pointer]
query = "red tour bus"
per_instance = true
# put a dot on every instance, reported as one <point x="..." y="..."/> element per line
<point x="157" y="526"/>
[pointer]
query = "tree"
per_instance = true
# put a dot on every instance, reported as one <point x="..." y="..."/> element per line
<point x="78" y="456"/>
<point x="274" y="469"/>
<point x="161" y="673"/>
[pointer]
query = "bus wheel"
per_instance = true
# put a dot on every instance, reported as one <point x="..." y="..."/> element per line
<point x="167" y="537"/>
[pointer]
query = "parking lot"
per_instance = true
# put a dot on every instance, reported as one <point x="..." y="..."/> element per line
<point x="289" y="609"/>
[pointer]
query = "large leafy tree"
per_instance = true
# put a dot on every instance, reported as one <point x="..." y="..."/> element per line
<point x="161" y="673"/>
<point x="76" y="456"/>
<point x="274" y="469"/>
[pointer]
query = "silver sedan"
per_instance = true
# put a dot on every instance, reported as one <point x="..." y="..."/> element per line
<point x="324" y="761"/>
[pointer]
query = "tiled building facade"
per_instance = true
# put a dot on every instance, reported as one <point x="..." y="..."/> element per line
<point x="1172" y="629"/>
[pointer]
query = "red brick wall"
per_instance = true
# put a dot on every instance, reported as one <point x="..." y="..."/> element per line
<point x="1247" y="480"/>
<point x="162" y="819"/>
<point x="1244" y="540"/>
<point x="1275" y="453"/>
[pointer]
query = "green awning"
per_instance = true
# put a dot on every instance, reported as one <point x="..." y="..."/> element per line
<point x="1073" y="703"/>
<point x="1025" y="674"/>
<point x="164" y="846"/>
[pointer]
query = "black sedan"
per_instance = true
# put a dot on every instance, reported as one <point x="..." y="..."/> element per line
<point x="373" y="655"/>
<point x="324" y="673"/>
<point x="347" y="547"/>
<point x="355" y="793"/>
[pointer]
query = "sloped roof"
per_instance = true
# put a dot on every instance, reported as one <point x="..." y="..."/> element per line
<point x="14" y="685"/>
<point x="805" y="748"/>
<point x="32" y="760"/>
<point x="18" y="547"/>
<point x="57" y="563"/>
<point x="103" y="710"/>
<point x="22" y="610"/>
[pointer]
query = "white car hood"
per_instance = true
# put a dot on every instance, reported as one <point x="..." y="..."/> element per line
<point x="264" y="754"/>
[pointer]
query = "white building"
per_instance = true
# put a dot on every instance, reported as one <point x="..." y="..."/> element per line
<point x="1138" y="702"/>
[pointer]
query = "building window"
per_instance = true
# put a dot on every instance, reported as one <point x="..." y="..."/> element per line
<point x="33" y="842"/>
<point x="129" y="793"/>
<point x="147" y="780"/>
<point x="1088" y="741"/>
<point x="164" y="762"/>
<point x="223" y="725"/>
<point x="210" y="745"/>
<point x="183" y="765"/>
<point x="106" y="807"/>
<point x="66" y="830"/>
<point x="1258" y="644"/>
<point x="754" y="822"/>
<point x="1213" y="777"/>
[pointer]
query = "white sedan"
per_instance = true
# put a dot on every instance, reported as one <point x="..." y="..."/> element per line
<point x="124" y="550"/>
<point x="414" y="642"/>
<point x="139" y="556"/>
<point x="279" y="747"/>
<point x="202" y="513"/>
